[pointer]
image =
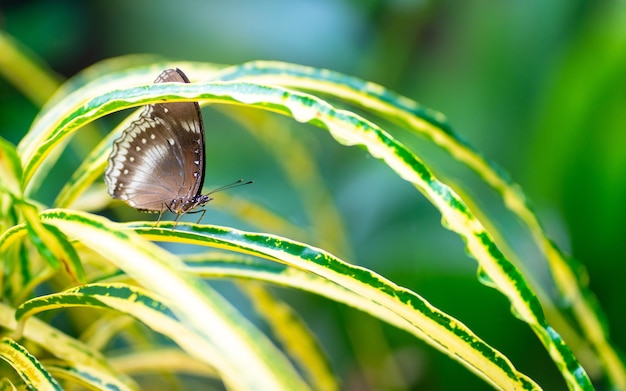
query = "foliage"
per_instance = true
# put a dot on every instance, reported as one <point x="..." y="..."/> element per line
<point x="64" y="255"/>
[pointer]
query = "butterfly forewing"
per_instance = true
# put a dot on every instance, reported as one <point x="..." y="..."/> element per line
<point x="158" y="162"/>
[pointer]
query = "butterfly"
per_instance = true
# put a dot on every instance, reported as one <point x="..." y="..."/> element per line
<point x="158" y="163"/>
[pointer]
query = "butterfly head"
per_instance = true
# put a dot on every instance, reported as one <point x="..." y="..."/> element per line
<point x="184" y="205"/>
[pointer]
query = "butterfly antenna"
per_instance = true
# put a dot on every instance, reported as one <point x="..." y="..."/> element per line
<point x="237" y="183"/>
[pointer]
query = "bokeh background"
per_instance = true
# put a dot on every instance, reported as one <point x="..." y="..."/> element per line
<point x="538" y="87"/>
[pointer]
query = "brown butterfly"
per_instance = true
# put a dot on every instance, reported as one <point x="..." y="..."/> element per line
<point x="158" y="162"/>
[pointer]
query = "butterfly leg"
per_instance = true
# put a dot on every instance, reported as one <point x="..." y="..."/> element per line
<point x="203" y="211"/>
<point x="159" y="219"/>
<point x="163" y="207"/>
<point x="178" y="216"/>
<point x="201" y="216"/>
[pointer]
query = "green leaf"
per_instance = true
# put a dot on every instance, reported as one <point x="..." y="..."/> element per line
<point x="170" y="360"/>
<point x="242" y="354"/>
<point x="68" y="349"/>
<point x="145" y="306"/>
<point x="51" y="244"/>
<point x="86" y="376"/>
<point x="358" y="287"/>
<point x="27" y="72"/>
<point x="6" y="385"/>
<point x="11" y="169"/>
<point x="27" y="366"/>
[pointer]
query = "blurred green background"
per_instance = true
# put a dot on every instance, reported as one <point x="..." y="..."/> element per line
<point x="538" y="87"/>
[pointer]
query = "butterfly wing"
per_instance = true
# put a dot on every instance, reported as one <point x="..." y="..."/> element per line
<point x="160" y="157"/>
